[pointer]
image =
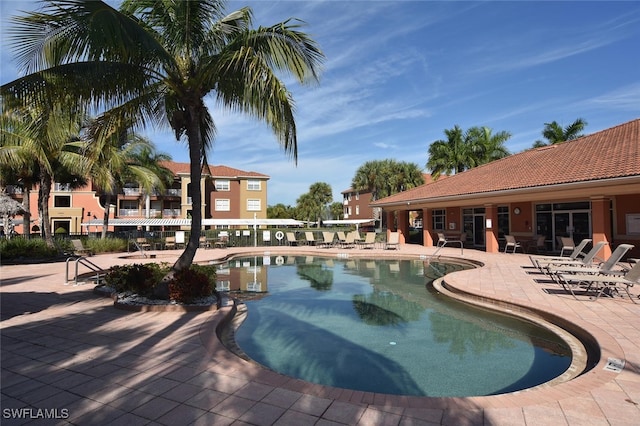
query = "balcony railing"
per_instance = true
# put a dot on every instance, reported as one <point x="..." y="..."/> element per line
<point x="171" y="212"/>
<point x="174" y="192"/>
<point x="131" y="191"/>
<point x="62" y="187"/>
<point x="129" y="212"/>
<point x="13" y="189"/>
<point x="189" y="200"/>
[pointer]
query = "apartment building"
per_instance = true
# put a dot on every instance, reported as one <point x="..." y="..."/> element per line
<point x="356" y="205"/>
<point x="227" y="193"/>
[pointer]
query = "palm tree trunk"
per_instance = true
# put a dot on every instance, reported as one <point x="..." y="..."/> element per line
<point x="44" y="193"/>
<point x="185" y="260"/>
<point x="26" y="216"/>
<point x="105" y="218"/>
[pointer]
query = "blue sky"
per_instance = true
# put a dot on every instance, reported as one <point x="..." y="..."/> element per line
<point x="398" y="73"/>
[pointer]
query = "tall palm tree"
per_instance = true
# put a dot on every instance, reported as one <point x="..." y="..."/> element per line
<point x="488" y="146"/>
<point x="453" y="155"/>
<point x="554" y="133"/>
<point x="158" y="61"/>
<point x="371" y="177"/>
<point x="321" y="194"/>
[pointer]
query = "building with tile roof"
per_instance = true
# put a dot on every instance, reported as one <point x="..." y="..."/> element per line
<point x="585" y="188"/>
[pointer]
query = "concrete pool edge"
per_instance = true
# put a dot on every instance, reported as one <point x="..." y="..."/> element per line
<point x="548" y="392"/>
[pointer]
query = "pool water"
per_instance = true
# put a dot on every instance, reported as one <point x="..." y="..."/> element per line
<point x="376" y="326"/>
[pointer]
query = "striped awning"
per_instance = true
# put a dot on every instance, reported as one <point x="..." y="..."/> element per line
<point x="187" y="222"/>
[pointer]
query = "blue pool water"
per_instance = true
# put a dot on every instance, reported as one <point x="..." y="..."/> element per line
<point x="375" y="325"/>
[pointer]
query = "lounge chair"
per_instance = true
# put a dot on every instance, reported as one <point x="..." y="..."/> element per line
<point x="222" y="241"/>
<point x="327" y="239"/>
<point x="291" y="239"/>
<point x="170" y="243"/>
<point x="610" y="266"/>
<point x="511" y="242"/>
<point x="309" y="238"/>
<point x="539" y="261"/>
<point x="369" y="241"/>
<point x="80" y="250"/>
<point x="350" y="240"/>
<point x="585" y="261"/>
<point x="342" y="238"/>
<point x="604" y="283"/>
<point x="393" y="242"/>
<point x="143" y="244"/>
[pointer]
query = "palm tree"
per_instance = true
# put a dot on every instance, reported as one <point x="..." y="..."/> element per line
<point x="371" y="177"/>
<point x="488" y="147"/>
<point x="554" y="133"/>
<point x="46" y="140"/>
<point x="121" y="156"/>
<point x="453" y="155"/>
<point x="321" y="194"/>
<point x="158" y="61"/>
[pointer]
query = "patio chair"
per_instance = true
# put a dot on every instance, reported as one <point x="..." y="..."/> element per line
<point x="538" y="244"/>
<point x="80" y="250"/>
<point x="350" y="240"/>
<point x="604" y="283"/>
<point x="610" y="266"/>
<point x="567" y="244"/>
<point x="204" y="243"/>
<point x="539" y="261"/>
<point x="393" y="242"/>
<point x="369" y="241"/>
<point x="222" y="241"/>
<point x="342" y="238"/>
<point x="443" y="240"/>
<point x="511" y="242"/>
<point x="327" y="239"/>
<point x="309" y="238"/>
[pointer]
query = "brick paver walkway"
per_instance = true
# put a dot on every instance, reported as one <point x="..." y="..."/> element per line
<point x="70" y="354"/>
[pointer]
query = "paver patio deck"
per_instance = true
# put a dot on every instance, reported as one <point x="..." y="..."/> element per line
<point x="69" y="350"/>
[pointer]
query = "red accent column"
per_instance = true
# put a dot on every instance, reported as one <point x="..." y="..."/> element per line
<point x="491" y="234"/>
<point x="427" y="223"/>
<point x="403" y="225"/>
<point x="601" y="225"/>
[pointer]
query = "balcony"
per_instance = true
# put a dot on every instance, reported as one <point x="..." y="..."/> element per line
<point x="173" y="192"/>
<point x="13" y="189"/>
<point x="189" y="201"/>
<point x="62" y="187"/>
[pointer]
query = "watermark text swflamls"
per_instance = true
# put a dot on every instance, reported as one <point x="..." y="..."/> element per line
<point x="35" y="413"/>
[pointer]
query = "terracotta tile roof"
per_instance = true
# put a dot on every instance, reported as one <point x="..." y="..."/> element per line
<point x="607" y="154"/>
<point x="216" y="171"/>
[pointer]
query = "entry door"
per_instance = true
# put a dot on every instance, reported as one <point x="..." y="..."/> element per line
<point x="572" y="224"/>
<point x="478" y="230"/>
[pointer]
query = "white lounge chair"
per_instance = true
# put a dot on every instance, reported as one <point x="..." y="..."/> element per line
<point x="393" y="242"/>
<point x="610" y="266"/>
<point x="603" y="283"/>
<point x="309" y="238"/>
<point x="291" y="239"/>
<point x="327" y="239"/>
<point x="539" y="261"/>
<point x="585" y="261"/>
<point x="369" y="241"/>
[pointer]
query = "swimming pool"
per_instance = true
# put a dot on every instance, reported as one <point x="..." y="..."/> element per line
<point x="376" y="326"/>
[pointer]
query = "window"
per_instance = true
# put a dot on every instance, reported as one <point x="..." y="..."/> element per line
<point x="357" y="210"/>
<point x="223" y="185"/>
<point x="253" y="205"/>
<point x="223" y="205"/>
<point x="253" y="185"/>
<point x="438" y="219"/>
<point x="62" y="201"/>
<point x="357" y="196"/>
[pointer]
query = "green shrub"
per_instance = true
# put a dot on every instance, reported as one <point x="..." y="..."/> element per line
<point x="137" y="278"/>
<point x="22" y="248"/>
<point x="190" y="284"/>
<point x="107" y="245"/>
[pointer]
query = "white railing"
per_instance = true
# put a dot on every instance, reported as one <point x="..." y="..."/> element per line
<point x="174" y="191"/>
<point x="129" y="212"/>
<point x="131" y="191"/>
<point x="189" y="200"/>
<point x="62" y="187"/>
<point x="170" y="212"/>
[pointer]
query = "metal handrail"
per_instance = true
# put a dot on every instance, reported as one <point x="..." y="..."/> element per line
<point x="84" y="261"/>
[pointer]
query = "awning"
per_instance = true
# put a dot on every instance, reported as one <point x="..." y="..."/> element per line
<point x="187" y="222"/>
<point x="348" y="221"/>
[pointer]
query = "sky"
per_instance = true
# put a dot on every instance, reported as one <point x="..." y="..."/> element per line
<point x="398" y="73"/>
